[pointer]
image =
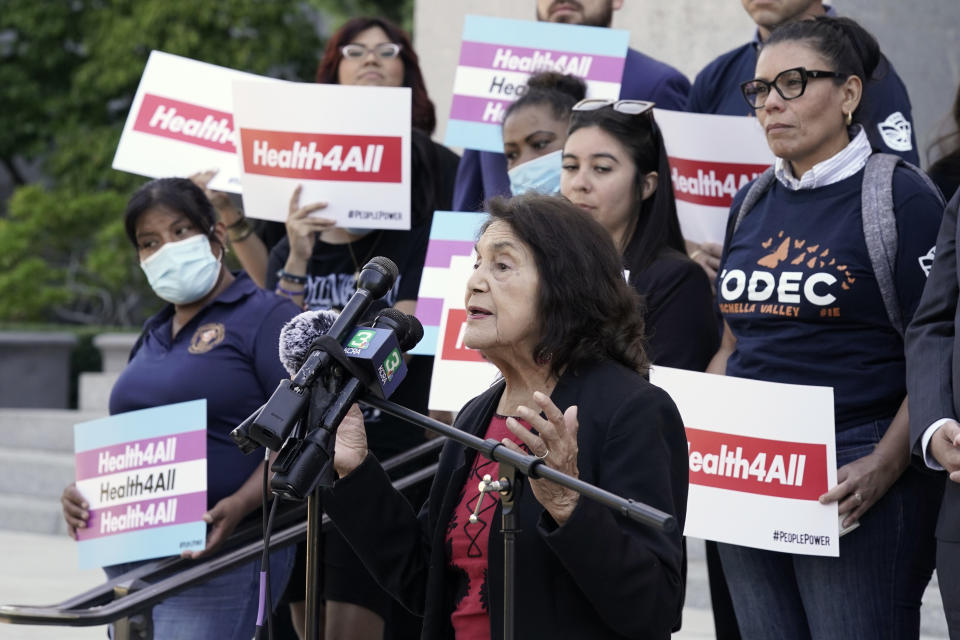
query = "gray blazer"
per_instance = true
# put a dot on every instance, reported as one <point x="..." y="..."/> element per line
<point x="933" y="357"/>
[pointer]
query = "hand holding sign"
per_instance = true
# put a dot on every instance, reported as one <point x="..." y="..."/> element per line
<point x="302" y="229"/>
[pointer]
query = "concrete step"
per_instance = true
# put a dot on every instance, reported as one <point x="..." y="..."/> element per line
<point x="41" y="474"/>
<point x="42" y="429"/>
<point x="31" y="514"/>
<point x="93" y="392"/>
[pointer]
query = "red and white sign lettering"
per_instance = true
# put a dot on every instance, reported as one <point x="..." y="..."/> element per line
<point x="710" y="183"/>
<point x="182" y="121"/>
<point x="453" y="348"/>
<point x="318" y="156"/>
<point x="186" y="122"/>
<point x="757" y="465"/>
<point x="711" y="158"/>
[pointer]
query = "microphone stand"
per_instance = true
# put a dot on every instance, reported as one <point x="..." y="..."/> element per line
<point x="512" y="465"/>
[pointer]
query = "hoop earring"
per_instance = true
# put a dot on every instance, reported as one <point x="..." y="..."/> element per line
<point x="848" y="118"/>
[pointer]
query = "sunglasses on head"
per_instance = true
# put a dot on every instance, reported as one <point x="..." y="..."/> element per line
<point x="628" y="107"/>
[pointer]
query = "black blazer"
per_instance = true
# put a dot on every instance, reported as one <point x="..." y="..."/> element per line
<point x="933" y="358"/>
<point x="598" y="576"/>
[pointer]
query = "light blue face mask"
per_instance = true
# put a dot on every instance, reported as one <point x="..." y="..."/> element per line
<point x="184" y="271"/>
<point x="541" y="175"/>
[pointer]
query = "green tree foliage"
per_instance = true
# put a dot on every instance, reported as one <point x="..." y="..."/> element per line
<point x="68" y="73"/>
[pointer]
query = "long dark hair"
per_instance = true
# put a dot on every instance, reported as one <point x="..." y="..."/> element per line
<point x="656" y="225"/>
<point x="583" y="319"/>
<point x="177" y="194"/>
<point x="848" y="47"/>
<point x="424" y="114"/>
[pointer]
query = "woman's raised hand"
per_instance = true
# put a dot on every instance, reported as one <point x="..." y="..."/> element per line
<point x="556" y="445"/>
<point x="219" y="199"/>
<point x="302" y="229"/>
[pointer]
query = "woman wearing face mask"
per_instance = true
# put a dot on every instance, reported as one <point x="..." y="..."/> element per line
<point x="216" y="340"/>
<point x="615" y="167"/>
<point x="534" y="130"/>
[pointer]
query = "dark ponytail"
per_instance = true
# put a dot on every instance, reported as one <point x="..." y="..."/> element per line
<point x="848" y="47"/>
<point x="560" y="92"/>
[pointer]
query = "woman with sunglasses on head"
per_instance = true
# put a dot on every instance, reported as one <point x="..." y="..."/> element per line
<point x="804" y="303"/>
<point x="316" y="266"/>
<point x="615" y="168"/>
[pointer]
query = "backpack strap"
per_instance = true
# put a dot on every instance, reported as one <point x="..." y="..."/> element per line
<point x="756" y="191"/>
<point x="880" y="225"/>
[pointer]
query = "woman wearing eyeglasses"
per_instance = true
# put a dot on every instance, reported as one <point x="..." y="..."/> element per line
<point x="803" y="304"/>
<point x="614" y="166"/>
<point x="316" y="265"/>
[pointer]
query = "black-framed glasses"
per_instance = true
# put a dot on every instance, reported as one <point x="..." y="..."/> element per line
<point x="384" y="50"/>
<point x="629" y="107"/>
<point x="790" y="84"/>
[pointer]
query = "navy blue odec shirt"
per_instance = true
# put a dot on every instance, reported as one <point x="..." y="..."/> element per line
<point x="798" y="291"/>
<point x="227" y="354"/>
<point x="483" y="174"/>
<point x="885" y="112"/>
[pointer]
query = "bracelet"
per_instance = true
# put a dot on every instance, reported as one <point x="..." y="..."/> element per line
<point x="239" y="236"/>
<point x="696" y="252"/>
<point x="282" y="274"/>
<point x="239" y="222"/>
<point x="288" y="293"/>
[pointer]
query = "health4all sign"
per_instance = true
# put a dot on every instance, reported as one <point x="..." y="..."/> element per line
<point x="760" y="454"/>
<point x="711" y="158"/>
<point x="144" y="475"/>
<point x="181" y="121"/>
<point x="497" y="56"/>
<point x="347" y="146"/>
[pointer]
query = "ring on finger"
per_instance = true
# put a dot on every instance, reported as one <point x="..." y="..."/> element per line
<point x="545" y="454"/>
<point x="858" y="497"/>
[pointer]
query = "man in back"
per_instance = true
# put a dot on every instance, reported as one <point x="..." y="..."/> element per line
<point x="886" y="107"/>
<point x="483" y="174"/>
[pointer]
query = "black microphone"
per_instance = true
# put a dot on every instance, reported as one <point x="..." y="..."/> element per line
<point x="379" y="367"/>
<point x="274" y="422"/>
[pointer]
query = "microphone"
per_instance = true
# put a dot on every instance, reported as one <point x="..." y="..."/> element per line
<point x="274" y="422"/>
<point x="379" y="367"/>
<point x="298" y="334"/>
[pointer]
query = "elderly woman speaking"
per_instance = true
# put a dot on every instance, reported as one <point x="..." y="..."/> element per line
<point x="548" y="305"/>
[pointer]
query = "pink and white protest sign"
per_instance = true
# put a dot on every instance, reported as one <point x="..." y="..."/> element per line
<point x="497" y="56"/>
<point x="181" y="121"/>
<point x="711" y="158"/>
<point x="760" y="454"/>
<point x="144" y="475"/>
<point x="348" y="146"/>
<point x="459" y="373"/>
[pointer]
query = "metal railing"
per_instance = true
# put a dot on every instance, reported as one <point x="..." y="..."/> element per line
<point x="127" y="599"/>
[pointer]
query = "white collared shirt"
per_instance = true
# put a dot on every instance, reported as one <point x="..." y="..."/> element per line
<point x="851" y="159"/>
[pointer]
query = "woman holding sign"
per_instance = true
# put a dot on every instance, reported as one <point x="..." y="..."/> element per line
<point x="570" y="351"/>
<point x="217" y="340"/>
<point x="806" y="300"/>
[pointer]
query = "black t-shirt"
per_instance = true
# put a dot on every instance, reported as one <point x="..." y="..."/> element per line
<point x="331" y="280"/>
<point x="679" y="321"/>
